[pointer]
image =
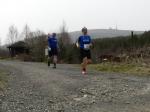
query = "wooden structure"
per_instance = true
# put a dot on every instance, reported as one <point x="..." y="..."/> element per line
<point x="18" y="48"/>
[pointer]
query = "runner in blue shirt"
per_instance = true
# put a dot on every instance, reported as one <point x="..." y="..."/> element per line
<point x="52" y="48"/>
<point x="84" y="43"/>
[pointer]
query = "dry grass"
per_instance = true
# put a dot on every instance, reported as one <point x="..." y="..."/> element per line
<point x="3" y="79"/>
<point x="132" y="68"/>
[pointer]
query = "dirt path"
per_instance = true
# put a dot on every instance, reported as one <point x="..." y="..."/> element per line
<point x="33" y="87"/>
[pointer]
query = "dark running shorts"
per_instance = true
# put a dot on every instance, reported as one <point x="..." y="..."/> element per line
<point x="85" y="53"/>
<point x="53" y="52"/>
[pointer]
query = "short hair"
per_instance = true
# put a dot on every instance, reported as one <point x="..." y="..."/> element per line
<point x="84" y="29"/>
<point x="54" y="34"/>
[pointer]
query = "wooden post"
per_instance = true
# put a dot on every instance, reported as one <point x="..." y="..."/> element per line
<point x="132" y="34"/>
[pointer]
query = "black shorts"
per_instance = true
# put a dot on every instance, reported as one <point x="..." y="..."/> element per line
<point x="85" y="53"/>
<point x="53" y="52"/>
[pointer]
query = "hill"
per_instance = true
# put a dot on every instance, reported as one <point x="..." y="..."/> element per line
<point x="104" y="33"/>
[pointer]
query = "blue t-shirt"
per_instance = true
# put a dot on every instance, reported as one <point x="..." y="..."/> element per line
<point x="84" y="40"/>
<point x="52" y="42"/>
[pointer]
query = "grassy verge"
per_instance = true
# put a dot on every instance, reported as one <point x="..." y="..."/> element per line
<point x="139" y="69"/>
<point x="3" y="79"/>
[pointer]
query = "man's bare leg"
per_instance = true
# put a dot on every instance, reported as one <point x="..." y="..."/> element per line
<point x="54" y="61"/>
<point x="48" y="61"/>
<point x="84" y="65"/>
<point x="89" y="61"/>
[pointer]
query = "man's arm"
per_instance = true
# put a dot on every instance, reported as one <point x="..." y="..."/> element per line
<point x="49" y="48"/>
<point x="78" y="42"/>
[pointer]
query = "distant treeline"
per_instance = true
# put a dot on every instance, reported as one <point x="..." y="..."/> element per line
<point x="129" y="42"/>
<point x="134" y="44"/>
<point x="127" y="45"/>
<point x="69" y="53"/>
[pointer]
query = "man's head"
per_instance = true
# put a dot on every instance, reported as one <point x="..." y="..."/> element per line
<point x="84" y="30"/>
<point x="54" y="34"/>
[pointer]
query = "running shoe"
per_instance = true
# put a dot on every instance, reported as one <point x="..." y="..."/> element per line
<point x="83" y="72"/>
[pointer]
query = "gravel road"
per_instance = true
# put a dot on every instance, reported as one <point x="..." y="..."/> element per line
<point x="33" y="87"/>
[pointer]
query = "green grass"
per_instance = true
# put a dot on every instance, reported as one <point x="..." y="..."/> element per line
<point x="138" y="69"/>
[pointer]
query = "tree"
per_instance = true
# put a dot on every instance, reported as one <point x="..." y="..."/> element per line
<point x="26" y="32"/>
<point x="12" y="34"/>
<point x="0" y="42"/>
<point x="64" y="43"/>
<point x="64" y="36"/>
<point x="37" y="42"/>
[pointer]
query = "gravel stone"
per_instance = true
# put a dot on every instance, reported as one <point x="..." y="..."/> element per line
<point x="34" y="87"/>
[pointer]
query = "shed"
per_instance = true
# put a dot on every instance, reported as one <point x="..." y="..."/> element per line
<point x="18" y="48"/>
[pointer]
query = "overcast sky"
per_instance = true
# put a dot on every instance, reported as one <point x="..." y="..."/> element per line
<point x="47" y="15"/>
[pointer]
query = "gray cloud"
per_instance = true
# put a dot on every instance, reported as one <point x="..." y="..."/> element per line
<point x="48" y="15"/>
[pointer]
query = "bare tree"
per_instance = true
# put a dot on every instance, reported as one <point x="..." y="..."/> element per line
<point x="38" y="33"/>
<point x="12" y="34"/>
<point x="28" y="35"/>
<point x="31" y="39"/>
<point x="3" y="51"/>
<point x="64" y="36"/>
<point x="26" y="32"/>
<point x="37" y="43"/>
<point x="0" y="42"/>
<point x="65" y="43"/>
